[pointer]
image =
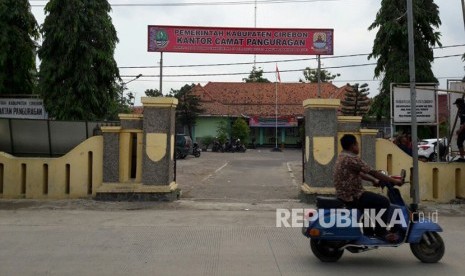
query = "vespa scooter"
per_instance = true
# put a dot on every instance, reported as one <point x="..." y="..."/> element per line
<point x="329" y="242"/>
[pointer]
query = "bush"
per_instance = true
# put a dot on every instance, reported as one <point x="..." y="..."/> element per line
<point x="222" y="131"/>
<point x="207" y="141"/>
<point x="241" y="130"/>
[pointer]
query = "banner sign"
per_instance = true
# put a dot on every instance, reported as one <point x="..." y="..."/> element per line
<point x="22" y="108"/>
<point x="426" y="105"/>
<point x="287" y="121"/>
<point x="240" y="40"/>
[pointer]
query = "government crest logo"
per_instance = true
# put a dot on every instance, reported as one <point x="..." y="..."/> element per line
<point x="320" y="41"/>
<point x="160" y="37"/>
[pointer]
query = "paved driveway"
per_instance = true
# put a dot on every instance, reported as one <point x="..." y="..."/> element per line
<point x="258" y="175"/>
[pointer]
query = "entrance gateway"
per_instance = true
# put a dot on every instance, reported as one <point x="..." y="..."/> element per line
<point x="229" y="40"/>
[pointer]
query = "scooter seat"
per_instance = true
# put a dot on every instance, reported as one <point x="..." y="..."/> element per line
<point x="324" y="202"/>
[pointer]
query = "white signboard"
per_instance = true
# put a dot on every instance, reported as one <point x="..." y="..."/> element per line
<point x="20" y="108"/>
<point x="426" y="105"/>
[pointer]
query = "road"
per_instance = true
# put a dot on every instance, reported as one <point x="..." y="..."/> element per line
<point x="225" y="224"/>
<point x="190" y="241"/>
<point x="254" y="176"/>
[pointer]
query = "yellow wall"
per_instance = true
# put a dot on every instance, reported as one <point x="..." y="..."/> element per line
<point x="125" y="153"/>
<point x="77" y="174"/>
<point x="440" y="182"/>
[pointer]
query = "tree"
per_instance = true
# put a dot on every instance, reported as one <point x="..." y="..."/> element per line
<point x="153" y="93"/>
<point x="188" y="107"/>
<point x="222" y="131"/>
<point x="78" y="72"/>
<point x="356" y="101"/>
<point x="241" y="130"/>
<point x="311" y="75"/>
<point x="18" y="34"/>
<point x="391" y="47"/>
<point x="122" y="104"/>
<point x="256" y="75"/>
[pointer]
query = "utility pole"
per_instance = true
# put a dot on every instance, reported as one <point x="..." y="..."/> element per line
<point x="463" y="12"/>
<point x="413" y="104"/>
<point x="255" y="26"/>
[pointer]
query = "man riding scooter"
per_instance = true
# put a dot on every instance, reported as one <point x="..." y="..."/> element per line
<point x="349" y="171"/>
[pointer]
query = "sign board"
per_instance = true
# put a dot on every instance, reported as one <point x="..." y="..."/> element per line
<point x="426" y="105"/>
<point x="283" y="121"/>
<point x="22" y="108"/>
<point x="240" y="40"/>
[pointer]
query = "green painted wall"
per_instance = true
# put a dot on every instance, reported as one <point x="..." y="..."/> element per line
<point x="206" y="126"/>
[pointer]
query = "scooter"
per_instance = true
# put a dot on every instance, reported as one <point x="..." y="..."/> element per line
<point x="217" y="146"/>
<point x="196" y="150"/>
<point x="328" y="241"/>
<point x="238" y="146"/>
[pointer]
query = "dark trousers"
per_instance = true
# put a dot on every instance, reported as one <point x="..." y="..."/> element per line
<point x="369" y="200"/>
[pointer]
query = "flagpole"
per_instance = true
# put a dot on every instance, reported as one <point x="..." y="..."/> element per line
<point x="278" y="78"/>
<point x="276" y="114"/>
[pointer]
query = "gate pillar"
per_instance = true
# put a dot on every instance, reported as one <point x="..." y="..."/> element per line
<point x="321" y="131"/>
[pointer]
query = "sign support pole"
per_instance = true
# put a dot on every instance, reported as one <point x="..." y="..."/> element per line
<point x="161" y="72"/>
<point x="413" y="102"/>
<point x="319" y="75"/>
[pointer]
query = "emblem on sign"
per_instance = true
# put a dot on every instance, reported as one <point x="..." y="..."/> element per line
<point x="319" y="40"/>
<point x="161" y="38"/>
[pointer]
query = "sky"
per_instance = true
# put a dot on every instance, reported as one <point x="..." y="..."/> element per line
<point x="350" y="20"/>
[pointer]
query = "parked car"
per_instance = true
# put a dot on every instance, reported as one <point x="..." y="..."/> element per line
<point x="427" y="149"/>
<point x="183" y="146"/>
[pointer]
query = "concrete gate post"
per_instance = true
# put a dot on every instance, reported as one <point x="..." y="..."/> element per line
<point x="368" y="141"/>
<point x="159" y="137"/>
<point x="139" y="155"/>
<point x="111" y="153"/>
<point x="321" y="130"/>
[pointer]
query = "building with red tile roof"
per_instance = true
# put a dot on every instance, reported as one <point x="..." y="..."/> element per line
<point x="256" y="102"/>
<point x="258" y="99"/>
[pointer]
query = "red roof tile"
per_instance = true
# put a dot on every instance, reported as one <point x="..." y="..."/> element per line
<point x="239" y="98"/>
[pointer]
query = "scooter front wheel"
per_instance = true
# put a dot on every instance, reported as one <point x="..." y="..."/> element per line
<point x="325" y="251"/>
<point x="429" y="249"/>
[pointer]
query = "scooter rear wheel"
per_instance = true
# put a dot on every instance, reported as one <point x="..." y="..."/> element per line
<point x="325" y="251"/>
<point x="429" y="249"/>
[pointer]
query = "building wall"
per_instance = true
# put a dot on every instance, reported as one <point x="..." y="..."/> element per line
<point x="206" y="126"/>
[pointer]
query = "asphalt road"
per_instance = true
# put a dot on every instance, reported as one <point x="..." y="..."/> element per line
<point x="254" y="176"/>
<point x="190" y="242"/>
<point x="225" y="224"/>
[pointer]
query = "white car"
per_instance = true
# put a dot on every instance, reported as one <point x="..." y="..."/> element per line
<point x="427" y="148"/>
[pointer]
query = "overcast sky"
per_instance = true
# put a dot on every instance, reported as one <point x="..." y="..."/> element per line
<point x="349" y="19"/>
